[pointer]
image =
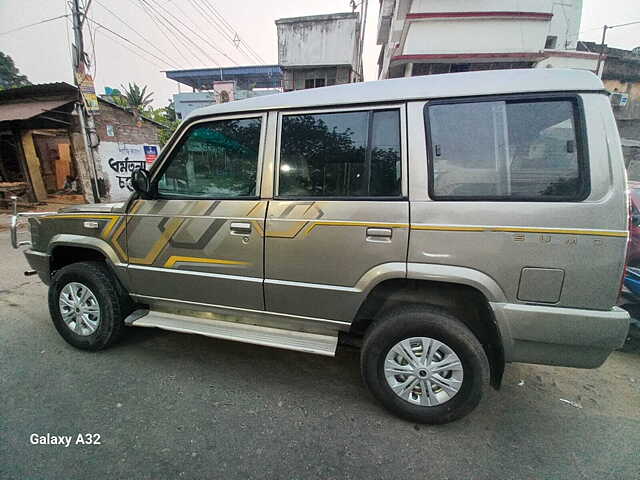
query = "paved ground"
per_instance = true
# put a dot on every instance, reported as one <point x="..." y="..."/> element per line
<point x="181" y="406"/>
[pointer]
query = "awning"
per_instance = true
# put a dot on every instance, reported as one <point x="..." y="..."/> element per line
<point x="26" y="110"/>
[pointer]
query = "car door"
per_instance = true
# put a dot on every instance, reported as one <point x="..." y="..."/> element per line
<point x="199" y="239"/>
<point x="340" y="215"/>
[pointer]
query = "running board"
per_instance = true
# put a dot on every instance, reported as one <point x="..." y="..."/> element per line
<point x="240" y="332"/>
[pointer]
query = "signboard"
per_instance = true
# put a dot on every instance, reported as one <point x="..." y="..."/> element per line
<point x="118" y="161"/>
<point x="150" y="154"/>
<point x="88" y="90"/>
<point x="225" y="91"/>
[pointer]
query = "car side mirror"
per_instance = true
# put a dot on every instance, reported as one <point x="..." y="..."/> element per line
<point x="140" y="181"/>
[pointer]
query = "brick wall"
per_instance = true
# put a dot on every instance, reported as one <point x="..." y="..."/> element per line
<point x="124" y="126"/>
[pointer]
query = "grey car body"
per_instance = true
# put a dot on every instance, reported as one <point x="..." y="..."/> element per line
<point x="539" y="278"/>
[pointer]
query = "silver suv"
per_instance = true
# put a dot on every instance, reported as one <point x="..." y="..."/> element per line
<point x="446" y="224"/>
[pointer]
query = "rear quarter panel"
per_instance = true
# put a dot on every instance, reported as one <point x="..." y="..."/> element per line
<point x="500" y="238"/>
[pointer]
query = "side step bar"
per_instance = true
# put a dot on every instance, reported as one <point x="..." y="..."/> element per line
<point x="240" y="332"/>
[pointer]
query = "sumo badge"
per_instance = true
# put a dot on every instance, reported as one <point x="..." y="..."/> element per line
<point x="65" y="440"/>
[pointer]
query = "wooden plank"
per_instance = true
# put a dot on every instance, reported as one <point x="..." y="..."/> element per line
<point x="63" y="164"/>
<point x="33" y="165"/>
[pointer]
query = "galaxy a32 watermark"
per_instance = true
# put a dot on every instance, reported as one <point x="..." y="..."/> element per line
<point x="65" y="440"/>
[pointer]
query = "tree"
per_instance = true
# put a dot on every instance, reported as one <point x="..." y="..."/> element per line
<point x="10" y="76"/>
<point x="136" y="98"/>
<point x="167" y="117"/>
<point x="167" y="131"/>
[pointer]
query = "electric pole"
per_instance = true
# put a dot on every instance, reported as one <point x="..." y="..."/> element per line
<point x="601" y="55"/>
<point x="87" y="125"/>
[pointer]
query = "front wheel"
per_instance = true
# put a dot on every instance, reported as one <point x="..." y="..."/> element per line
<point x="87" y="305"/>
<point x="424" y="365"/>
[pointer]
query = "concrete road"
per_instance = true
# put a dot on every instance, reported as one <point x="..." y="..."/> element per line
<point x="170" y="405"/>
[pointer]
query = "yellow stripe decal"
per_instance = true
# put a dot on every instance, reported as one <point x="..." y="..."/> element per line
<point x="356" y="224"/>
<point x="460" y="228"/>
<point x="175" y="259"/>
<point x="99" y="216"/>
<point x="172" y="227"/>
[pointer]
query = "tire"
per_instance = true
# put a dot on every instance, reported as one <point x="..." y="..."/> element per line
<point x="113" y="305"/>
<point x="416" y="323"/>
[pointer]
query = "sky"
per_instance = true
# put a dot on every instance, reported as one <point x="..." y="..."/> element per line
<point x="43" y="53"/>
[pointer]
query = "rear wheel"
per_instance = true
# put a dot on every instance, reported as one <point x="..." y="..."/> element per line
<point x="88" y="305"/>
<point x="424" y="365"/>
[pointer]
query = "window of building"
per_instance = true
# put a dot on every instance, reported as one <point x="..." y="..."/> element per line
<point x="214" y="160"/>
<point x="551" y="42"/>
<point x="345" y="154"/>
<point x="506" y="150"/>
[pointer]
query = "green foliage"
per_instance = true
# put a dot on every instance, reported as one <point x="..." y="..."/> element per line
<point x="166" y="132"/>
<point x="10" y="76"/>
<point x="135" y="97"/>
<point x="167" y="117"/>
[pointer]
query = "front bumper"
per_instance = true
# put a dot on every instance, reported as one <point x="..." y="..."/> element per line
<point x="41" y="263"/>
<point x="560" y="336"/>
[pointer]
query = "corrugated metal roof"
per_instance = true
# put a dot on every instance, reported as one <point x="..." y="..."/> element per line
<point x="26" y="110"/>
<point x="262" y="75"/>
<point x="248" y="70"/>
<point x="42" y="89"/>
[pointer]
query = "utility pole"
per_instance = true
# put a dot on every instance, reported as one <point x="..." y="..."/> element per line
<point x="601" y="55"/>
<point x="87" y="124"/>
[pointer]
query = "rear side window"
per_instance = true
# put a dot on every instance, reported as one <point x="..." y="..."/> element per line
<point x="506" y="150"/>
<point x="340" y="154"/>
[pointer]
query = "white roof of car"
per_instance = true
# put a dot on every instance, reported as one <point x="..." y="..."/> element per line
<point x="425" y="87"/>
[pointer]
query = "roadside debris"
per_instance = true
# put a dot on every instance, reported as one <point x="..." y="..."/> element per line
<point x="521" y="383"/>
<point x="569" y="402"/>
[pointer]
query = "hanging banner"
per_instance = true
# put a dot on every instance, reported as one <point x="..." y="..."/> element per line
<point x="88" y="90"/>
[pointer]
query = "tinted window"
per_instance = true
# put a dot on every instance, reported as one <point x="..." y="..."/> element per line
<point x="215" y="160"/>
<point x="346" y="154"/>
<point x="506" y="150"/>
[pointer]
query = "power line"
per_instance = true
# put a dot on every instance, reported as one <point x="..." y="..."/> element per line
<point x="34" y="24"/>
<point x="123" y="45"/>
<point x="220" y="24"/>
<point x="167" y="30"/>
<point x="197" y="34"/>
<point x="177" y="29"/>
<point x="149" y="42"/>
<point x="216" y="13"/>
<point x="205" y="15"/>
<point x="122" y="37"/>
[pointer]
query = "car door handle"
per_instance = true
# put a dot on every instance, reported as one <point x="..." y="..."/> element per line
<point x="379" y="234"/>
<point x="240" y="228"/>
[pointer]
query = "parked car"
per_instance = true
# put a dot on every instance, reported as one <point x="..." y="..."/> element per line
<point x="634" y="238"/>
<point x="451" y="223"/>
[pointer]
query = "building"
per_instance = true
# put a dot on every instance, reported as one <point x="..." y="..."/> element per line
<point x="320" y="50"/>
<point x="127" y="142"/>
<point x="42" y="150"/>
<point x="621" y="77"/>
<point x="422" y="37"/>
<point x="218" y="85"/>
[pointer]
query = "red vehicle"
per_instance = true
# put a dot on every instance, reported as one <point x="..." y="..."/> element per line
<point x="634" y="243"/>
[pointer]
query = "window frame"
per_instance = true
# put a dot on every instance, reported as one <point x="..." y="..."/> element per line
<point x="582" y="146"/>
<point x="404" y="188"/>
<point x="180" y="140"/>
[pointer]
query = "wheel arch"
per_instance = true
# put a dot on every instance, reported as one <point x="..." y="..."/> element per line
<point x="468" y="297"/>
<point x="65" y="249"/>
